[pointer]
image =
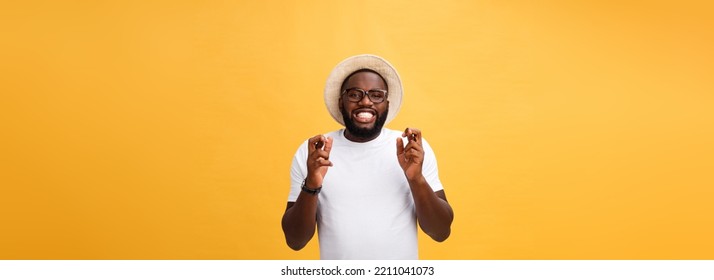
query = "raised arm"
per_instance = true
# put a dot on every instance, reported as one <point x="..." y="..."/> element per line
<point x="299" y="218"/>
<point x="434" y="213"/>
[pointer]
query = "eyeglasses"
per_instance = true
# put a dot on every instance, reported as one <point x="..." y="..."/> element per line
<point x="356" y="94"/>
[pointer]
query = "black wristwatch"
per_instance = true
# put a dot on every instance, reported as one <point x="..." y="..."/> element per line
<point x="309" y="190"/>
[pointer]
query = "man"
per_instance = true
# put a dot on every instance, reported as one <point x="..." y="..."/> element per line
<point x="364" y="186"/>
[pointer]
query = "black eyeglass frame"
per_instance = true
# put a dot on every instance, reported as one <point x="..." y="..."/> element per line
<point x="369" y="93"/>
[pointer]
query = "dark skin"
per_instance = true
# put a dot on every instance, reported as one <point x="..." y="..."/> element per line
<point x="434" y="214"/>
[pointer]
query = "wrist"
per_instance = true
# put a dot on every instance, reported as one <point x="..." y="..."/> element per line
<point x="310" y="190"/>
<point x="416" y="179"/>
<point x="310" y="184"/>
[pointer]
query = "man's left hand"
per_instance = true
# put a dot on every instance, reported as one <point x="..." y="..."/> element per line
<point x="411" y="157"/>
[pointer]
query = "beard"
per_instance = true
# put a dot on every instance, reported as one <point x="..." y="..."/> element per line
<point x="360" y="132"/>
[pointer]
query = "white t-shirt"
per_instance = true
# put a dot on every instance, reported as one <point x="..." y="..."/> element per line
<point x="365" y="209"/>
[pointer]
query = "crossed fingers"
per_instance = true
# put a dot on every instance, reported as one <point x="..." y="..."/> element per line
<point x="319" y="148"/>
<point x="413" y="152"/>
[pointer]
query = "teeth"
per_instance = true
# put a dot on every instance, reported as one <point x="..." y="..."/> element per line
<point x="365" y="115"/>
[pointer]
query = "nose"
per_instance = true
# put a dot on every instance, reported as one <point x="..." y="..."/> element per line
<point x="365" y="101"/>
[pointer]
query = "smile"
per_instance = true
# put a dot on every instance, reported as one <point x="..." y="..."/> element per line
<point x="364" y="116"/>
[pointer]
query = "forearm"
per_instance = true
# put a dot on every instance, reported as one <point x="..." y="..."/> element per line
<point x="299" y="221"/>
<point x="434" y="214"/>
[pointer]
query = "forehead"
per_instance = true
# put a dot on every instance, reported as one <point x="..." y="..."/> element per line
<point x="365" y="80"/>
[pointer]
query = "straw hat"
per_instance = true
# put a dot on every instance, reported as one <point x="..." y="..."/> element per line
<point x="359" y="62"/>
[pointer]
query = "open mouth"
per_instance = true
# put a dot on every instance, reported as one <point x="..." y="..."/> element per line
<point x="364" y="116"/>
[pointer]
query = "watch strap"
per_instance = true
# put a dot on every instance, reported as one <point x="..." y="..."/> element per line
<point x="309" y="190"/>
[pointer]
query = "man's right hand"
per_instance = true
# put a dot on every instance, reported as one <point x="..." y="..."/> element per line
<point x="318" y="160"/>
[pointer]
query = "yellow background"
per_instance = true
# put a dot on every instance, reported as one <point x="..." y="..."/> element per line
<point x="165" y="129"/>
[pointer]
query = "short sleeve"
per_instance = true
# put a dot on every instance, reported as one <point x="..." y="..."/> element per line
<point x="430" y="169"/>
<point x="298" y="172"/>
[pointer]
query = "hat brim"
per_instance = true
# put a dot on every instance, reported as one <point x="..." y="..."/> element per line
<point x="353" y="64"/>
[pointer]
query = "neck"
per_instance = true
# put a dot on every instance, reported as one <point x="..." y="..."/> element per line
<point x="358" y="139"/>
